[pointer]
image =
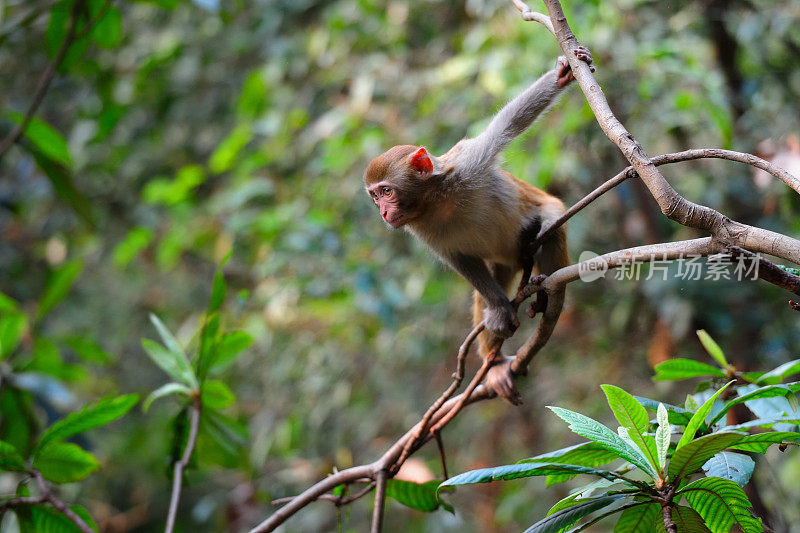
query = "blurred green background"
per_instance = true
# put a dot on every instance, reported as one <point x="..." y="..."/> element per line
<point x="178" y="131"/>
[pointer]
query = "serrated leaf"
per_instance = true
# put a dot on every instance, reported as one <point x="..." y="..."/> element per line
<point x="523" y="470"/>
<point x="94" y="415"/>
<point x="736" y="467"/>
<point x="12" y="326"/>
<point x="632" y="415"/>
<point x="691" y="456"/>
<point x="420" y="496"/>
<point x="173" y="363"/>
<point x="677" y="415"/>
<point x="760" y="442"/>
<point x="638" y="519"/>
<point x="569" y="516"/>
<point x="770" y="391"/>
<point x="10" y="459"/>
<point x="585" y="454"/>
<point x="677" y="369"/>
<point x="722" y="504"/>
<point x="662" y="436"/>
<point x="687" y="520"/>
<point x="165" y="390"/>
<point x="712" y="348"/>
<point x="58" y="286"/>
<point x="64" y="462"/>
<point x="216" y="395"/>
<point x="624" y="434"/>
<point x="597" y="432"/>
<point x="699" y="418"/>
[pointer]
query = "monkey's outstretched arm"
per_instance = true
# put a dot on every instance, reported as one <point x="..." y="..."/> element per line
<point x="499" y="315"/>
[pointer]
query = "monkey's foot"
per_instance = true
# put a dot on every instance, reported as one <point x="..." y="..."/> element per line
<point x="500" y="380"/>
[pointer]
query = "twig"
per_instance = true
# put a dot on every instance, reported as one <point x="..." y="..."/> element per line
<point x="380" y="502"/>
<point x="337" y="500"/>
<point x="527" y="14"/>
<point x="442" y="456"/>
<point x="62" y="507"/>
<point x="767" y="270"/>
<point x="180" y="466"/>
<point x="21" y="502"/>
<point x="44" y="81"/>
<point x="484" y="369"/>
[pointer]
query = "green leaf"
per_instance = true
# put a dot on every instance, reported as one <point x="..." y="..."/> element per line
<point x="677" y="415"/>
<point x="597" y="432"/>
<point x="46" y="519"/>
<point x="64" y="462"/>
<point x="632" y="415"/>
<point x="173" y="363"/>
<point x="58" y="286"/>
<point x="522" y="470"/>
<point x="584" y="454"/>
<point x="165" y="390"/>
<point x="736" y="467"/>
<point x="662" y="436"/>
<point x="45" y="138"/>
<point x="690" y="457"/>
<point x="558" y="521"/>
<point x="760" y="442"/>
<point x="252" y="99"/>
<point x="12" y="326"/>
<point x="420" y="496"/>
<point x="10" y="459"/>
<point x="8" y="305"/>
<point x="88" y="350"/>
<point x="107" y="33"/>
<point x="638" y="519"/>
<point x="687" y="520"/>
<point x="699" y="418"/>
<point x="229" y="348"/>
<point x="216" y="395"/>
<point x="625" y="435"/>
<point x="677" y="369"/>
<point x="61" y="179"/>
<point x="776" y="376"/>
<point x="209" y="339"/>
<point x="712" y="348"/>
<point x="691" y="403"/>
<point x="100" y="413"/>
<point x="224" y="156"/>
<point x="721" y="503"/>
<point x="770" y="391"/>
<point x="167" y="338"/>
<point x="217" y="291"/>
<point x="128" y="248"/>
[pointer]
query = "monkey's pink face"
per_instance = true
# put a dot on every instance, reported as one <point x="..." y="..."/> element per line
<point x="386" y="198"/>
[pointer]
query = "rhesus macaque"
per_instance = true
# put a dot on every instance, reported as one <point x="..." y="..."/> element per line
<point x="476" y="217"/>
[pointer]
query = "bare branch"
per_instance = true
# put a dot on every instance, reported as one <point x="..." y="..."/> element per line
<point x="180" y="466"/>
<point x="527" y="14"/>
<point x="380" y="502"/>
<point x="767" y="270"/>
<point x="62" y="507"/>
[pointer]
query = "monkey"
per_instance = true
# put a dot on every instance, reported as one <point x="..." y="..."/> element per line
<point x="476" y="217"/>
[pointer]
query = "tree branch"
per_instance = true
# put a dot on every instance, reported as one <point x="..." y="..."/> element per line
<point x="180" y="466"/>
<point x="59" y="505"/>
<point x="380" y="502"/>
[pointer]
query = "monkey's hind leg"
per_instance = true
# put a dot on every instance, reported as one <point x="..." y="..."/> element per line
<point x="499" y="377"/>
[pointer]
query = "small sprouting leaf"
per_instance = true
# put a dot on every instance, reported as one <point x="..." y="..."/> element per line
<point x="677" y="415"/>
<point x="216" y="395"/>
<point x="64" y="462"/>
<point x="721" y="503"/>
<point x="165" y="390"/>
<point x="58" y="286"/>
<point x="166" y="335"/>
<point x="677" y="369"/>
<point x="699" y="418"/>
<point x="12" y="326"/>
<point x="638" y="519"/>
<point x="662" y="436"/>
<point x="760" y="442"/>
<point x="566" y="517"/>
<point x="10" y="459"/>
<point x="420" y="496"/>
<point x="712" y="348"/>
<point x="173" y="363"/>
<point x="94" y="415"/>
<point x="595" y="431"/>
<point x="736" y="467"/>
<point x="689" y="458"/>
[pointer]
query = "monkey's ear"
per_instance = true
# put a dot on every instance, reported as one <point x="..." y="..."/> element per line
<point x="421" y="162"/>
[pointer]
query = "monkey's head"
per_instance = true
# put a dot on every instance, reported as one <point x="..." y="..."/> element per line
<point x="396" y="180"/>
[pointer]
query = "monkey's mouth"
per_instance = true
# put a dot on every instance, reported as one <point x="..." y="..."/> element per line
<point x="397" y="221"/>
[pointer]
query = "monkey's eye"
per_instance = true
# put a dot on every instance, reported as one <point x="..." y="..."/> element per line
<point x="386" y="191"/>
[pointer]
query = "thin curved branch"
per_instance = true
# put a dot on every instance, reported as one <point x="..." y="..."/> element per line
<point x="180" y="466"/>
<point x="527" y="14"/>
<point x="59" y="505"/>
<point x="380" y="502"/>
